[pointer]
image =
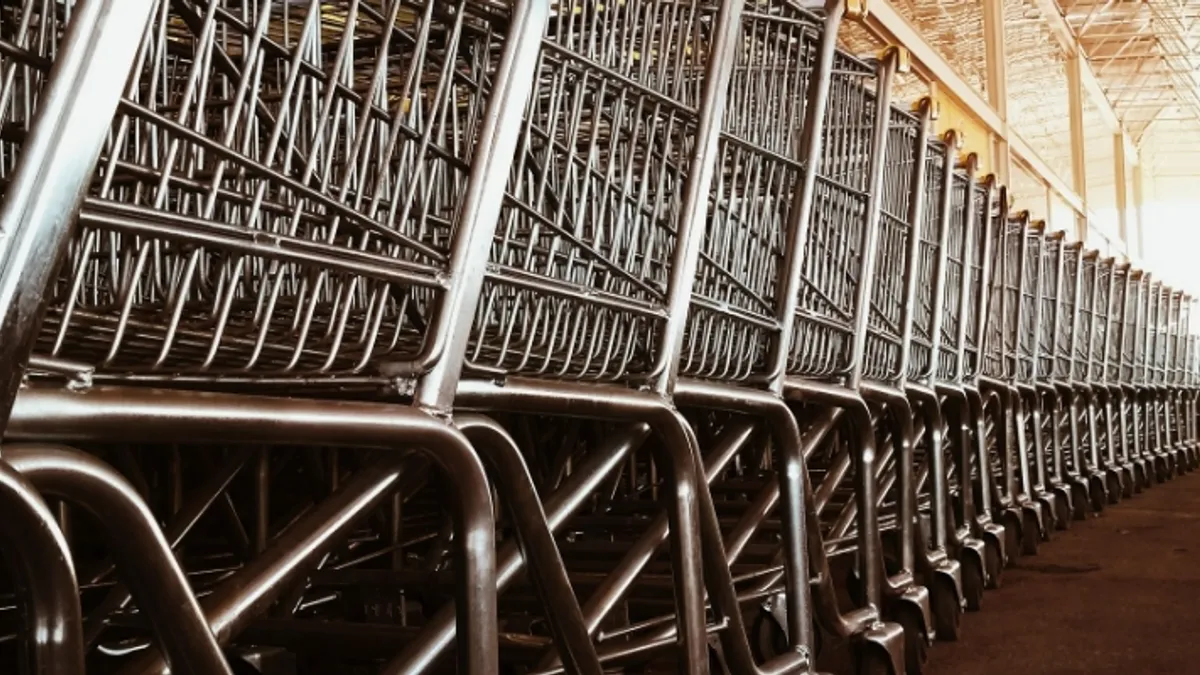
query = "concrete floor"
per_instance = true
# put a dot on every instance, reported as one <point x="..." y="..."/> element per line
<point x="1116" y="594"/>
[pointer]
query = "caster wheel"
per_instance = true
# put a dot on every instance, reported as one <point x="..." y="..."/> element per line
<point x="1079" y="502"/>
<point x="1114" y="489"/>
<point x="1012" y="541"/>
<point x="972" y="583"/>
<point x="947" y="613"/>
<point x="994" y="565"/>
<point x="1030" y="537"/>
<point x="916" y="642"/>
<point x="1062" y="512"/>
<point x="873" y="661"/>
<point x="769" y="641"/>
<point x="1097" y="495"/>
<point x="716" y="664"/>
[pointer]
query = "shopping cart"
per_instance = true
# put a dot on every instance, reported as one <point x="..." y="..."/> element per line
<point x="1054" y="316"/>
<point x="1088" y="429"/>
<point x="280" y="210"/>
<point x="886" y="361"/>
<point x="1007" y="362"/>
<point x="957" y="384"/>
<point x="1073" y="316"/>
<point x="1129" y="316"/>
<point x="1184" y="441"/>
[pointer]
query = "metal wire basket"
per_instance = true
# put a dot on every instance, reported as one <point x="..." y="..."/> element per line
<point x="920" y="360"/>
<point x="1086" y="311"/>
<point x="279" y="193"/>
<point x="821" y="343"/>
<point x="882" y="359"/>
<point x="978" y="251"/>
<point x="577" y="278"/>
<point x="954" y="274"/>
<point x="732" y="319"/>
<point x="1048" y="305"/>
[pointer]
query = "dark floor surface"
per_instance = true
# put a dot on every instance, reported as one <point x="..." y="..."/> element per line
<point x="1116" y="594"/>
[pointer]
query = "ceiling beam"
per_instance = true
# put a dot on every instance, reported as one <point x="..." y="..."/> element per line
<point x="888" y="24"/>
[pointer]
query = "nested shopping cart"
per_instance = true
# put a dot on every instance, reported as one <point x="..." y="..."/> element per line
<point x="1157" y="324"/>
<point x="1006" y="363"/>
<point x="1072" y="321"/>
<point x="1128" y="318"/>
<point x="1031" y="366"/>
<point x="276" y="226"/>
<point x="826" y="299"/>
<point x="943" y="465"/>
<point x="1182" y="439"/>
<point x="958" y="377"/>
<point x="1054" y="316"/>
<point x="739" y="326"/>
<point x="907" y="554"/>
<point x="1088" y="387"/>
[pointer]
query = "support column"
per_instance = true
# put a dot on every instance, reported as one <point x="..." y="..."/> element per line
<point x="1139" y="203"/>
<point x="997" y="82"/>
<point x="1075" y="94"/>
<point x="1121" y="178"/>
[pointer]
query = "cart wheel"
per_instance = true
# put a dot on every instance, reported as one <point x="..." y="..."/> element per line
<point x="1030" y="536"/>
<point x="916" y="641"/>
<point x="972" y="583"/>
<point x="769" y="639"/>
<point x="1114" y="489"/>
<point x="1097" y="494"/>
<point x="1079" y="503"/>
<point x="1062" y="512"/>
<point x="873" y="661"/>
<point x="947" y="613"/>
<point x="1012" y="540"/>
<point x="993" y="563"/>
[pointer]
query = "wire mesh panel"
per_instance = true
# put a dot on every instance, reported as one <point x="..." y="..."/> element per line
<point x="1142" y="320"/>
<point x="732" y="315"/>
<point x="1086" y="311"/>
<point x="920" y="360"/>
<point x="1129" y="323"/>
<point x="1027" y="338"/>
<point x="585" y="243"/>
<point x="279" y="191"/>
<point x="1051" y="260"/>
<point x="1179" y="337"/>
<point x="882" y="357"/>
<point x="1004" y="299"/>
<point x="1110" y="335"/>
<point x="1065" y="326"/>
<point x="28" y="32"/>
<point x="834" y="252"/>
<point x="1162" y="333"/>
<point x="961" y="194"/>
<point x="977" y="251"/>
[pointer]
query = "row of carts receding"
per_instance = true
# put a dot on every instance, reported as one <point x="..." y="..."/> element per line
<point x="538" y="336"/>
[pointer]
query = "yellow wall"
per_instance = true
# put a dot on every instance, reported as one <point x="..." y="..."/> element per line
<point x="978" y="140"/>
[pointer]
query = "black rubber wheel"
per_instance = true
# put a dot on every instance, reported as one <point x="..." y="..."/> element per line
<point x="1079" y="501"/>
<point x="1031" y="538"/>
<point x="1012" y="540"/>
<point x="947" y="613"/>
<point x="994" y="565"/>
<point x="1062" y="512"/>
<point x="972" y="583"/>
<point x="1098" y="494"/>
<point x="769" y="639"/>
<point x="916" y="642"/>
<point x="1114" y="489"/>
<point x="873" y="661"/>
<point x="240" y="666"/>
